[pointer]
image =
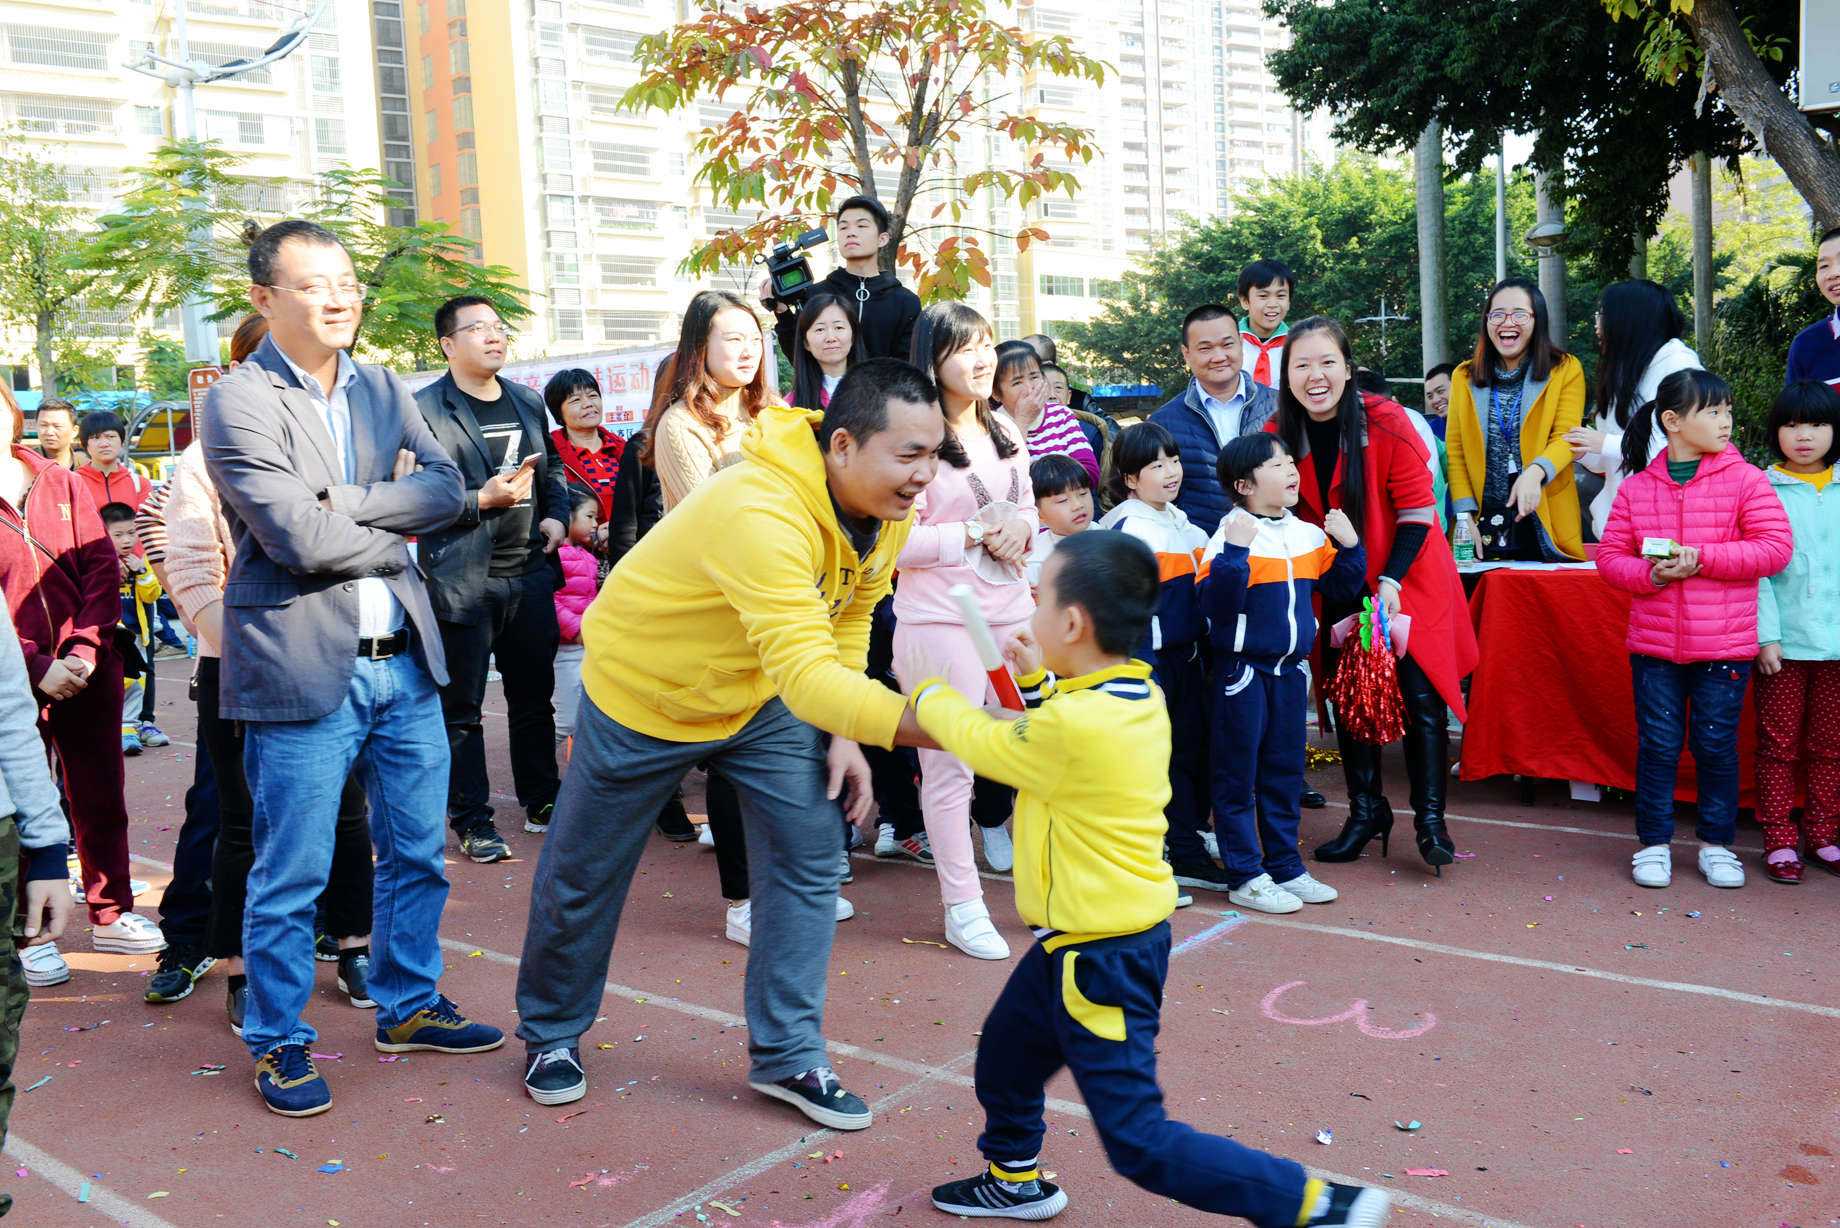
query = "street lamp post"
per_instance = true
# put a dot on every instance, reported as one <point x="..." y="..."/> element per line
<point x="1383" y="319"/>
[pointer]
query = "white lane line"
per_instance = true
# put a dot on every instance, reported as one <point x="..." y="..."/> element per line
<point x="1438" y="948"/>
<point x="925" y="1073"/>
<point x="1682" y="841"/>
<point x="104" y="1200"/>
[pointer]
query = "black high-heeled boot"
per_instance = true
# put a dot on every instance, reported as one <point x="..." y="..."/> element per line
<point x="1427" y="748"/>
<point x="1370" y="815"/>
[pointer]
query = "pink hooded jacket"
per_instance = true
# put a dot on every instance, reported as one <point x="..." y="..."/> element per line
<point x="1731" y="516"/>
<point x="579" y="573"/>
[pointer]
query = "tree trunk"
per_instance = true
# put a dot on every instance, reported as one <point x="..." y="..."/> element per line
<point x="1551" y="260"/>
<point x="1747" y="88"/>
<point x="1638" y="258"/>
<point x="1702" y="251"/>
<point x="922" y="129"/>
<point x="1433" y="288"/>
<point x="47" y="363"/>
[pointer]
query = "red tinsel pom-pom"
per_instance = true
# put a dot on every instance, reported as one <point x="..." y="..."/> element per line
<point x="1365" y="691"/>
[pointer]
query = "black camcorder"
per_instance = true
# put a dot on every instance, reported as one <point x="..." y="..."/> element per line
<point x="789" y="272"/>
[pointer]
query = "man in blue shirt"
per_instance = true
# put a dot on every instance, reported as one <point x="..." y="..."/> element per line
<point x="1815" y="352"/>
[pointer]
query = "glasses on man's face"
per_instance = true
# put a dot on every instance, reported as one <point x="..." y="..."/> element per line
<point x="1510" y="317"/>
<point x="323" y="292"/>
<point x="484" y="330"/>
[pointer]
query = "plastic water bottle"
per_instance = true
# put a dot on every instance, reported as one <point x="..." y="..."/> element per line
<point x="191" y="646"/>
<point x="1463" y="542"/>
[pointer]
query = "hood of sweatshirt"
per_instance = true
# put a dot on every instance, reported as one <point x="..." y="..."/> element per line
<point x="847" y="283"/>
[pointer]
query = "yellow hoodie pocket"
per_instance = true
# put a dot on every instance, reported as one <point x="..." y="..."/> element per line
<point x="1105" y="1022"/>
<point x="713" y="694"/>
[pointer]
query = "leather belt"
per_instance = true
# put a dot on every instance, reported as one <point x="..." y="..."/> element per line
<point x="379" y="647"/>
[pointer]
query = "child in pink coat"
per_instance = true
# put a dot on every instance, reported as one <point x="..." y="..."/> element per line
<point x="1691" y="533"/>
<point x="580" y="581"/>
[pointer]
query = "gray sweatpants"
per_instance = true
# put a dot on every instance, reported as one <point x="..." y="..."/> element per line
<point x="616" y="783"/>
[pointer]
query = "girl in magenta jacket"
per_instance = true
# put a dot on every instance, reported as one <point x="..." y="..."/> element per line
<point x="1691" y="533"/>
<point x="581" y="571"/>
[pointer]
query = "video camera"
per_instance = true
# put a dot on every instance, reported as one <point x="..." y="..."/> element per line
<point x="789" y="272"/>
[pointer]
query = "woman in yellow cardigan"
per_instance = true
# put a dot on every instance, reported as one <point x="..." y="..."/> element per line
<point x="1510" y="407"/>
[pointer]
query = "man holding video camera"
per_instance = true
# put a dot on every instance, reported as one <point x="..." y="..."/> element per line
<point x="885" y="309"/>
<point x="489" y="575"/>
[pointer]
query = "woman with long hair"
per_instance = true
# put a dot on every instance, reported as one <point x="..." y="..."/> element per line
<point x="973" y="526"/>
<point x="718" y="385"/>
<point x="1639" y="328"/>
<point x="825" y="342"/>
<point x="1512" y="405"/>
<point x="1358" y="452"/>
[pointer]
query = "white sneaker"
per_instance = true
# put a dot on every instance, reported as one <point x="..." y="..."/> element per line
<point x="704" y="836"/>
<point x="1720" y="866"/>
<point x="1263" y="895"/>
<point x="43" y="965"/>
<point x="969" y="928"/>
<point x="1183" y="898"/>
<point x="998" y="851"/>
<point x="1653" y="866"/>
<point x="1212" y="843"/>
<point x="129" y="934"/>
<point x="845" y="909"/>
<point x="1309" y="890"/>
<point x="884" y="840"/>
<point x="741" y="922"/>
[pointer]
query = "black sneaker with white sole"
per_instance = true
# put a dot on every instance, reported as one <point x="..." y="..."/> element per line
<point x="482" y="843"/>
<point x="179" y="970"/>
<point x="537" y="821"/>
<point x="236" y="1004"/>
<point x="1203" y="874"/>
<point x="554" y="1076"/>
<point x="985" y="1197"/>
<point x="1352" y="1206"/>
<point x="819" y="1094"/>
<point x="355" y="978"/>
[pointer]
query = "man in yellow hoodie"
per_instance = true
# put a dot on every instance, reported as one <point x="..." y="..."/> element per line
<point x="736" y="632"/>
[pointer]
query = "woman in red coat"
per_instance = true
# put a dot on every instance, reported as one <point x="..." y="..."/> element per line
<point x="1361" y="454"/>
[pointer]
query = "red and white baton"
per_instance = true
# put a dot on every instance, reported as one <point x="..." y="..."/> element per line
<point x="1008" y="694"/>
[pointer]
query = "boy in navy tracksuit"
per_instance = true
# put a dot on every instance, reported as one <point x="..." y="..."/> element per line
<point x="1258" y="576"/>
<point x="1092" y="883"/>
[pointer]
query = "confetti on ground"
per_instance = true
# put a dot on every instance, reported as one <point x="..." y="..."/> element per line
<point x="412" y="1099"/>
<point x="1362" y="1095"/>
<point x="283" y="1151"/>
<point x="391" y="1058"/>
<point x="474" y="954"/>
<point x="160" y="1194"/>
<point x="1624" y="1151"/>
<point x="83" y="1192"/>
<point x="209" y="1070"/>
<point x="337" y="1166"/>
<point x="36" y="1085"/>
<point x="1427" y="1172"/>
<point x="570" y="1116"/>
<point x="86" y="1027"/>
<point x="327" y="1057"/>
<point x="722" y="1206"/>
<point x="1694" y="913"/>
<point x="1635" y="946"/>
<point x="1325" y="1137"/>
<point x="1408" y="1125"/>
<point x="585" y="1181"/>
<point x="922" y="942"/>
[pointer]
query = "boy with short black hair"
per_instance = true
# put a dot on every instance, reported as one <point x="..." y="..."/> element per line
<point x="1064" y="500"/>
<point x="111" y="479"/>
<point x="1815" y="352"/>
<point x="1092" y="883"/>
<point x="885" y="309"/>
<point x="140" y="593"/>
<point x="1265" y="288"/>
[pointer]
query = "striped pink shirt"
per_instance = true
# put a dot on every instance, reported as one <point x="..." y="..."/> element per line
<point x="1057" y="430"/>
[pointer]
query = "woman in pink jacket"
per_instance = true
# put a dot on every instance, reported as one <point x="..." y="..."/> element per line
<point x="1691" y="533"/>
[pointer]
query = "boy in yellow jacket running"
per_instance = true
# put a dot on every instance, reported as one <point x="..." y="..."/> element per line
<point x="1092" y="883"/>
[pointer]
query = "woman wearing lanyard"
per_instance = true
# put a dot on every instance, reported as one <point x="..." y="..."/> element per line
<point x="1360" y="453"/>
<point x="1511" y="406"/>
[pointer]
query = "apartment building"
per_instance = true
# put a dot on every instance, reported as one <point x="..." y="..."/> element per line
<point x="66" y="90"/>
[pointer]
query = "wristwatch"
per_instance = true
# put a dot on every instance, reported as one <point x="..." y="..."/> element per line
<point x="976" y="531"/>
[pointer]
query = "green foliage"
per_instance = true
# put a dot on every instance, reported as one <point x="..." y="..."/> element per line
<point x="185" y="227"/>
<point x="1750" y="339"/>
<point x="1349" y="234"/>
<point x="1562" y="71"/>
<point x="163" y="367"/>
<point x="45" y="289"/>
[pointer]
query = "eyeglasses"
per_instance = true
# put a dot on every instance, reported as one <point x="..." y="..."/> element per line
<point x="1510" y="317"/>
<point x="320" y="292"/>
<point x="485" y="330"/>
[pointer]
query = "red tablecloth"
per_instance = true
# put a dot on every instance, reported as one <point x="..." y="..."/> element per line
<point x="1551" y="696"/>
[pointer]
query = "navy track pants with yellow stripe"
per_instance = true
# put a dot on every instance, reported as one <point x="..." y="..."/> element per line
<point x="1095" y="1008"/>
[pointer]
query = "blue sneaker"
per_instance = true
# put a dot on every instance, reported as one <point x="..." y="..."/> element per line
<point x="289" y="1083"/>
<point x="130" y="742"/>
<point x="440" y="1028"/>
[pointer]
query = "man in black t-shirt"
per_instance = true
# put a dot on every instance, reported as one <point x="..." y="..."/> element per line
<point x="490" y="576"/>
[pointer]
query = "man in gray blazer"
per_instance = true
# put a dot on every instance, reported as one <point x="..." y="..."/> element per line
<point x="331" y="656"/>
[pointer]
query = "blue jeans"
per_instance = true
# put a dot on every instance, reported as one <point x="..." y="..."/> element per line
<point x="390" y="729"/>
<point x="1699" y="703"/>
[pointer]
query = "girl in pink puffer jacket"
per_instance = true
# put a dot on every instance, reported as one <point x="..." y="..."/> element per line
<point x="1691" y="533"/>
<point x="581" y="570"/>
